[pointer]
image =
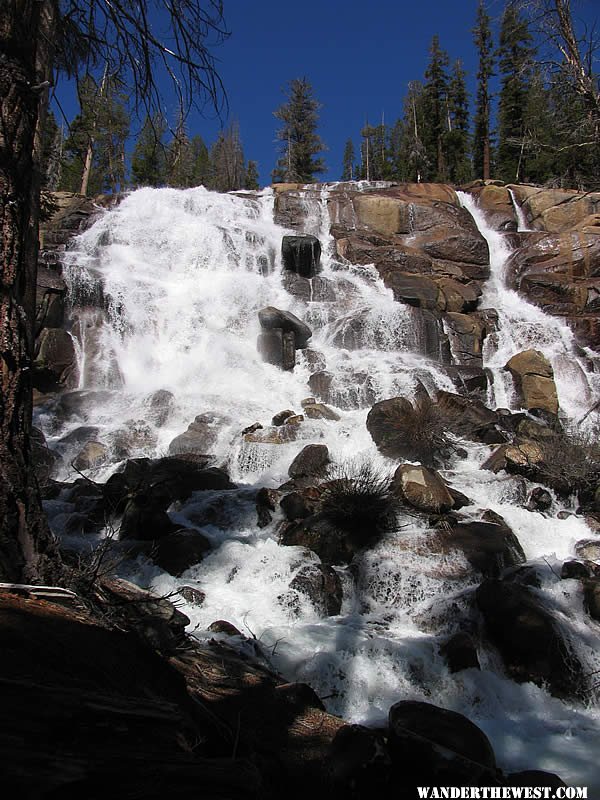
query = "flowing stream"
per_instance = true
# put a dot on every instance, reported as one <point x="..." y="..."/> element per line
<point x="181" y="276"/>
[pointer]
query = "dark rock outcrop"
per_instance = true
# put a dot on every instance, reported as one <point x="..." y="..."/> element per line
<point x="322" y="585"/>
<point x="311" y="460"/>
<point x="529" y="640"/>
<point x="301" y="254"/>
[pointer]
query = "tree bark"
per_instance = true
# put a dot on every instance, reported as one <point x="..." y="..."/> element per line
<point x="27" y="550"/>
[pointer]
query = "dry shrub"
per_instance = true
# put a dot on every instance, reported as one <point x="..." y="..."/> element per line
<point x="418" y="431"/>
<point x="571" y="463"/>
<point x="358" y="501"/>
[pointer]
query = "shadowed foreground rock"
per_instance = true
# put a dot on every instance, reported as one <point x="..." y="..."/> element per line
<point x="96" y="712"/>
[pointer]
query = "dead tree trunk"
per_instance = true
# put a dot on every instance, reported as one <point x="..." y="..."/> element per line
<point x="27" y="551"/>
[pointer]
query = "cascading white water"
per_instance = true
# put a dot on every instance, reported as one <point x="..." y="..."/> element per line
<point x="523" y="326"/>
<point x="522" y="225"/>
<point x="184" y="274"/>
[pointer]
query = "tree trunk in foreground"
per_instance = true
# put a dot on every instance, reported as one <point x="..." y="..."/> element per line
<point x="27" y="550"/>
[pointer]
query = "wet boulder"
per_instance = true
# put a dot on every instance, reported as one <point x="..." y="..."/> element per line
<point x="524" y="459"/>
<point x="282" y="417"/>
<point x="539" y="500"/>
<point x="180" y="550"/>
<point x="422" y="488"/>
<point x="577" y="570"/>
<point x="435" y="746"/>
<point x="271" y="318"/>
<point x="55" y="364"/>
<point x="588" y="549"/>
<point x="201" y="436"/>
<point x="136" y="434"/>
<point x="145" y="517"/>
<point x="311" y="460"/>
<point x="528" y="638"/>
<point x="51" y="290"/>
<point x="490" y="546"/>
<point x="359" y="763"/>
<point x="320" y="383"/>
<point x="93" y="454"/>
<point x="322" y="585"/>
<point x="466" y="333"/>
<point x="161" y="405"/>
<point x="319" y="411"/>
<point x="317" y="533"/>
<point x="301" y="254"/>
<point x="298" y="505"/>
<point x="44" y="460"/>
<point x="534" y="381"/>
<point x="591" y="597"/>
<point x="460" y="652"/>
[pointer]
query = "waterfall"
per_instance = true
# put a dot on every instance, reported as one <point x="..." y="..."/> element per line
<point x="519" y="213"/>
<point x="173" y="281"/>
<point x="523" y="326"/>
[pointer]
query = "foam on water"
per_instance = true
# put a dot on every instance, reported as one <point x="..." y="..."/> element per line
<point x="183" y="275"/>
<point x="523" y="326"/>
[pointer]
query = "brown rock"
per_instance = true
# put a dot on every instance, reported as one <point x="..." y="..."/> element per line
<point x="534" y="380"/>
<point x="422" y="488"/>
<point x="311" y="460"/>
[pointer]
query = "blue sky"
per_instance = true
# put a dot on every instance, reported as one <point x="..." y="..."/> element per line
<point x="359" y="57"/>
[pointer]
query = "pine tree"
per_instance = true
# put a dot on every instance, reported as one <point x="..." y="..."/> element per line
<point x="300" y="143"/>
<point x="227" y="161"/>
<point x="200" y="158"/>
<point x="435" y="99"/>
<point x="411" y="159"/>
<point x="112" y="132"/>
<point x="148" y="163"/>
<point x="348" y="162"/>
<point x="80" y="139"/>
<point x="482" y="137"/>
<point x="457" y="138"/>
<point x="367" y="169"/>
<point x="94" y="151"/>
<point x="179" y="157"/>
<point x="540" y="134"/>
<point x="51" y="155"/>
<point x="397" y="155"/>
<point x="515" y="53"/>
<point x="251" y="180"/>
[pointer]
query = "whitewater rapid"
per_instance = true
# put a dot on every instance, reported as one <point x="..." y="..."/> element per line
<point x="183" y="275"/>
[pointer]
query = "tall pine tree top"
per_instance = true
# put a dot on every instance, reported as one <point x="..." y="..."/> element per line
<point x="300" y="143"/>
<point x="515" y="56"/>
<point x="435" y="104"/>
<point x="482" y="144"/>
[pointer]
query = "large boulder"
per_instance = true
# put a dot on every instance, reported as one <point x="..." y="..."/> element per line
<point x="92" y="454"/>
<point x="560" y="273"/>
<point x="180" y="550"/>
<point x="412" y="432"/>
<point x="422" y="488"/>
<point x="317" y="533"/>
<point x="496" y="203"/>
<point x="435" y="746"/>
<point x="301" y="254"/>
<point x="557" y="210"/>
<point x="55" y="364"/>
<point x="311" y="460"/>
<point x="49" y="300"/>
<point x="489" y="546"/>
<point x="201" y="436"/>
<point x="322" y="585"/>
<point x="534" y="381"/>
<point x="529" y="640"/>
<point x="272" y="318"/>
